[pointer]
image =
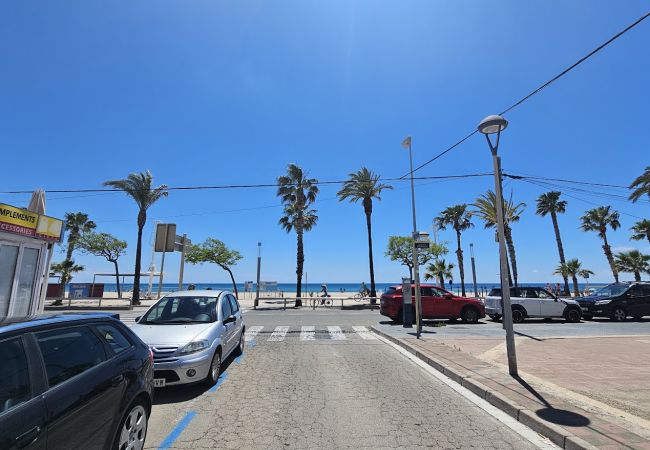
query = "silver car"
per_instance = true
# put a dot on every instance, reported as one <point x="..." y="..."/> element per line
<point x="190" y="333"/>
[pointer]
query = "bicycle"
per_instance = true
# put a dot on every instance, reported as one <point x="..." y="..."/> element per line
<point x="322" y="301"/>
<point x="361" y="295"/>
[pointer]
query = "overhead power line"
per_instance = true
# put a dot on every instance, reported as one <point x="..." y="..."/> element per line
<point x="537" y="90"/>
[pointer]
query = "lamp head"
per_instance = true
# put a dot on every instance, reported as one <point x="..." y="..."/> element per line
<point x="492" y="124"/>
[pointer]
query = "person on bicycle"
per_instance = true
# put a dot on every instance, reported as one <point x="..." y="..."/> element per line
<point x="363" y="290"/>
<point x="324" y="293"/>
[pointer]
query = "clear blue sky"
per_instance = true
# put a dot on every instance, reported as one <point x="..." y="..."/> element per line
<point x="217" y="92"/>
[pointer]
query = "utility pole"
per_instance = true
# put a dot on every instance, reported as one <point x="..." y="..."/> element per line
<point x="471" y="252"/>
<point x="257" y="286"/>
<point x="182" y="269"/>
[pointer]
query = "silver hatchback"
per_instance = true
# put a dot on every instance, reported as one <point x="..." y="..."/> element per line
<point x="190" y="333"/>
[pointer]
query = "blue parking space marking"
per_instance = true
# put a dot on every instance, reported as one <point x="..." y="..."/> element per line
<point x="251" y="344"/>
<point x="240" y="358"/>
<point x="176" y="432"/>
<point x="220" y="381"/>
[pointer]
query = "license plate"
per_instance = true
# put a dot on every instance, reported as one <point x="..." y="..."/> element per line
<point x="585" y="309"/>
<point x="159" y="382"/>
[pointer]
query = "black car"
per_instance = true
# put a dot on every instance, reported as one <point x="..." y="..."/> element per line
<point x="73" y="381"/>
<point x="618" y="301"/>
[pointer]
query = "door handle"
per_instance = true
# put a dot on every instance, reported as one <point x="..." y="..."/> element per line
<point x="28" y="437"/>
<point x="115" y="381"/>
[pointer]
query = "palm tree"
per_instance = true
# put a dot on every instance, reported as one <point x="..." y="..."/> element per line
<point x="486" y="209"/>
<point x="364" y="185"/>
<point x="439" y="269"/>
<point x="633" y="262"/>
<point x="297" y="193"/>
<point x="139" y="187"/>
<point x="572" y="268"/>
<point x="641" y="230"/>
<point x="641" y="185"/>
<point x="598" y="219"/>
<point x="550" y="203"/>
<point x="77" y="224"/>
<point x="459" y="218"/>
<point x="585" y="273"/>
<point x="65" y="268"/>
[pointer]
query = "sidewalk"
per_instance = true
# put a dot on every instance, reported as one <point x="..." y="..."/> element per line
<point x="582" y="392"/>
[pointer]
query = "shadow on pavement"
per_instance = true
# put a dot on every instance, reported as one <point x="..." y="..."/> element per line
<point x="185" y="392"/>
<point x="554" y="415"/>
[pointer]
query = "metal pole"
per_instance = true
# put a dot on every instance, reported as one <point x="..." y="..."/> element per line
<point x="152" y="264"/>
<point x="416" y="266"/>
<point x="182" y="269"/>
<point x="471" y="251"/>
<point x="259" y="263"/>
<point x="162" y="263"/>
<point x="505" y="285"/>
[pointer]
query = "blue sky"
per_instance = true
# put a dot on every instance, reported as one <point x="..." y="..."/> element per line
<point x="220" y="92"/>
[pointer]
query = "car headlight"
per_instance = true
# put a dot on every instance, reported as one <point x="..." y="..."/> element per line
<point x="194" y="346"/>
<point x="603" y="302"/>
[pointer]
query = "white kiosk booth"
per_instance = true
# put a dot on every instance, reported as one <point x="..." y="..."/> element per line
<point x="26" y="247"/>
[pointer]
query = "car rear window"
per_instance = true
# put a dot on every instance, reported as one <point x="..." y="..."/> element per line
<point x="391" y="290"/>
<point x="495" y="292"/>
<point x="114" y="337"/>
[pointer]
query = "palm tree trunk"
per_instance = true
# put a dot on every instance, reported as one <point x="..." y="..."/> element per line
<point x="511" y="251"/>
<point x="300" y="260"/>
<point x="441" y="280"/>
<point x="117" y="279"/>
<point x="576" y="290"/>
<point x="459" y="254"/>
<point x="142" y="219"/>
<point x="560" y="249"/>
<point x="637" y="276"/>
<point x="232" y="278"/>
<point x="373" y="291"/>
<point x="610" y="258"/>
<point x="410" y="272"/>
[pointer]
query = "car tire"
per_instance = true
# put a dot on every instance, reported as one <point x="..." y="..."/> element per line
<point x="572" y="315"/>
<point x="618" y="314"/>
<point x="132" y="432"/>
<point x="518" y="315"/>
<point x="495" y="318"/>
<point x="215" y="369"/>
<point x="469" y="315"/>
<point x="240" y="346"/>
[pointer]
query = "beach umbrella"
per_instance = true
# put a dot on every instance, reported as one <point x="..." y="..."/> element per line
<point x="37" y="202"/>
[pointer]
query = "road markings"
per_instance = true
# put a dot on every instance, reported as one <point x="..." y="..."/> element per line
<point x="219" y="382"/>
<point x="176" y="432"/>
<point x="364" y="333"/>
<point x="336" y="334"/>
<point x="308" y="333"/>
<point x="252" y="332"/>
<point x="278" y="334"/>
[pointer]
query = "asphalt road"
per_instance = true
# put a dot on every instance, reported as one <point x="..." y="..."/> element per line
<point x="319" y="380"/>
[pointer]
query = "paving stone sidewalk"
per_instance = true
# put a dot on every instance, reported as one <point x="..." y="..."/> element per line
<point x="568" y="422"/>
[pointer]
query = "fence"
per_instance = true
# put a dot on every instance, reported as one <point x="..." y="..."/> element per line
<point x="315" y="302"/>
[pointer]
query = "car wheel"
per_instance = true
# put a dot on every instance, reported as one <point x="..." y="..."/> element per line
<point x="215" y="369"/>
<point x="495" y="318"/>
<point x="470" y="315"/>
<point x="240" y="347"/>
<point x="132" y="431"/>
<point x="619" y="314"/>
<point x="573" y="315"/>
<point x="518" y="315"/>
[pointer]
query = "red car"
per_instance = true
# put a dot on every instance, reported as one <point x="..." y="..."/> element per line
<point x="436" y="304"/>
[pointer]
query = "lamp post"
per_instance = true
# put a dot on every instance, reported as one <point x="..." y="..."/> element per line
<point x="471" y="252"/>
<point x="495" y="125"/>
<point x="257" y="285"/>
<point x="416" y="267"/>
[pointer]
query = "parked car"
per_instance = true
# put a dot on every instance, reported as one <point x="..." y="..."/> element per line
<point x="532" y="302"/>
<point x="73" y="381"/>
<point x="437" y="303"/>
<point x="618" y="301"/>
<point x="190" y="334"/>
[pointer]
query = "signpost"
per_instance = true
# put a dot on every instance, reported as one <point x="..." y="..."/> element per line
<point x="165" y="234"/>
<point x="407" y="309"/>
<point x="181" y="243"/>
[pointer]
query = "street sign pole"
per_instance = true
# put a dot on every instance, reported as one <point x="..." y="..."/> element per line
<point x="257" y="286"/>
<point x="182" y="269"/>
<point x="162" y="263"/>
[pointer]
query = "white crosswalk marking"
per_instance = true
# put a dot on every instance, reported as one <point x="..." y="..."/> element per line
<point x="279" y="333"/>
<point x="252" y="332"/>
<point x="336" y="334"/>
<point x="307" y="333"/>
<point x="364" y="333"/>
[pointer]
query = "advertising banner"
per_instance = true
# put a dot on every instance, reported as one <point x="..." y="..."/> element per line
<point x="26" y="223"/>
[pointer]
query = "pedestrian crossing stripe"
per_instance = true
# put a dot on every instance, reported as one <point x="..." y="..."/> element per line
<point x="308" y="333"/>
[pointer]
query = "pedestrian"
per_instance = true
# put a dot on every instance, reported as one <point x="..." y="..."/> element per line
<point x="558" y="289"/>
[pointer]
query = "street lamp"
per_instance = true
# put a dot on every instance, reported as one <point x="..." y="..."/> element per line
<point x="495" y="125"/>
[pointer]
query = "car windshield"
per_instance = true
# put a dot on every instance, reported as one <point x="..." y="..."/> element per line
<point x="180" y="310"/>
<point x="611" y="290"/>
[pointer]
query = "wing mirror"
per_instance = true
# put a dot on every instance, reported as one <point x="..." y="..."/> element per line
<point x="137" y="319"/>
<point x="229" y="319"/>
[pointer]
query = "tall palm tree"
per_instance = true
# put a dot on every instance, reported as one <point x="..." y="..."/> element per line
<point x="459" y="218"/>
<point x="297" y="193"/>
<point x="77" y="224"/>
<point x="633" y="262"/>
<point x="364" y="185"/>
<point x="586" y="274"/>
<point x="439" y="269"/>
<point x="641" y="185"/>
<point x="550" y="203"/>
<point x="641" y="230"/>
<point x="486" y="209"/>
<point x="139" y="187"/>
<point x="572" y="268"/>
<point x="598" y="219"/>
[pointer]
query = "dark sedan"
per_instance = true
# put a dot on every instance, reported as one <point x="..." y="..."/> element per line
<point x="73" y="381"/>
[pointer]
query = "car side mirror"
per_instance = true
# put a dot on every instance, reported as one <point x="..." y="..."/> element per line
<point x="137" y="319"/>
<point x="229" y="319"/>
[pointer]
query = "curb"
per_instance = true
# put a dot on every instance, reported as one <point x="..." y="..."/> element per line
<point x="558" y="435"/>
<point x="88" y="308"/>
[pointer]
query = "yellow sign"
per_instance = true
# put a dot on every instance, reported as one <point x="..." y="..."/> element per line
<point x="17" y="216"/>
<point x="49" y="228"/>
<point x="26" y="223"/>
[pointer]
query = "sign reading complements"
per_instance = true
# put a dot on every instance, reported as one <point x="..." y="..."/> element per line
<point x="26" y="223"/>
